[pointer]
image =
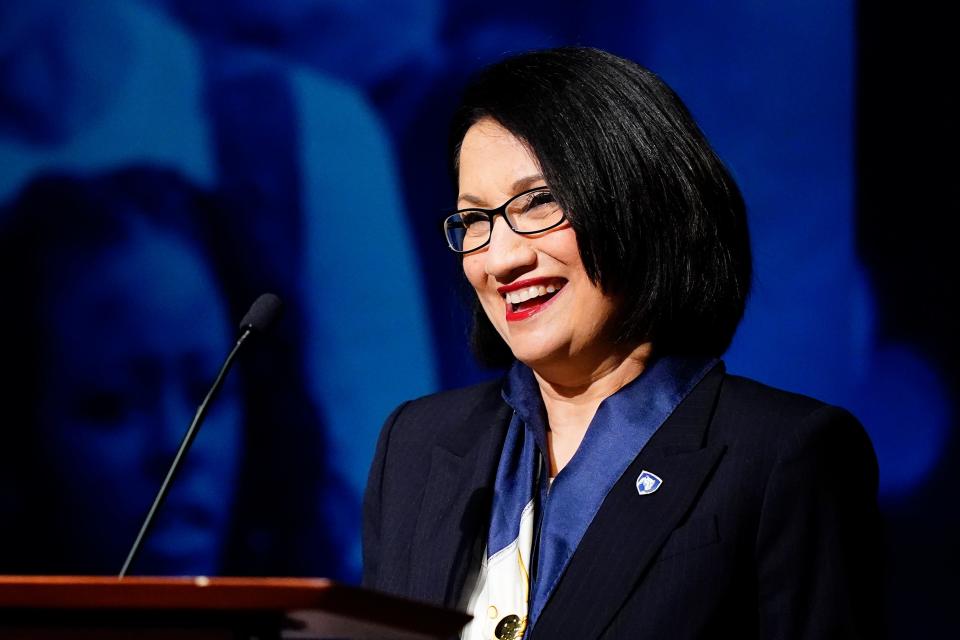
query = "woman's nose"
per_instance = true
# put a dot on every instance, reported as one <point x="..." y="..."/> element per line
<point x="508" y="251"/>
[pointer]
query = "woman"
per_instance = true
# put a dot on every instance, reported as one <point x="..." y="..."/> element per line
<point x="120" y="301"/>
<point x="617" y="483"/>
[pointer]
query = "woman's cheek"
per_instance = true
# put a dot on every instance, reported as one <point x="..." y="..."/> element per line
<point x="473" y="270"/>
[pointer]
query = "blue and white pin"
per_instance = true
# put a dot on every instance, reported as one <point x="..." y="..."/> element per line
<point x="648" y="482"/>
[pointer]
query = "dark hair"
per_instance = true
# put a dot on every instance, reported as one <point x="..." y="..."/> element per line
<point x="658" y="218"/>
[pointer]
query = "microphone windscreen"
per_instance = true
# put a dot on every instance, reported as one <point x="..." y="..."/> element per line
<point x="263" y="312"/>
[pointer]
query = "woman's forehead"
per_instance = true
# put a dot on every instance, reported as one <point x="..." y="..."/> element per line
<point x="494" y="163"/>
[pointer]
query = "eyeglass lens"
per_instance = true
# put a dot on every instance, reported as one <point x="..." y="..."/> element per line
<point x="528" y="212"/>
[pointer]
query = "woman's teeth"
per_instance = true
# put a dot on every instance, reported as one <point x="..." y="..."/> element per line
<point x="522" y="295"/>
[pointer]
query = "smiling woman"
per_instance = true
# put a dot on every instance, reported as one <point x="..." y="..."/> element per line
<point x="617" y="480"/>
<point x="508" y="271"/>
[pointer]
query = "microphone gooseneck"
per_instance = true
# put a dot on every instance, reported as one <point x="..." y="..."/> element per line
<point x="262" y="314"/>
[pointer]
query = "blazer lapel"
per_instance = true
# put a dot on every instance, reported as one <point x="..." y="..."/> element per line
<point x="457" y="501"/>
<point x="629" y="529"/>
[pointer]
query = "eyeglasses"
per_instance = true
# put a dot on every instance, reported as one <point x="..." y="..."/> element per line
<point x="529" y="212"/>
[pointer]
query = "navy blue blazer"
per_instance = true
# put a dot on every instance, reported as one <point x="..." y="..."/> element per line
<point x="766" y="524"/>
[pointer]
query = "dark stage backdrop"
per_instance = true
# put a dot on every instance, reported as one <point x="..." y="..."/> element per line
<point x="163" y="162"/>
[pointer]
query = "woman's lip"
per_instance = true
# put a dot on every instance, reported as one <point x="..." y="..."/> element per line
<point x="530" y="282"/>
<point x="523" y="314"/>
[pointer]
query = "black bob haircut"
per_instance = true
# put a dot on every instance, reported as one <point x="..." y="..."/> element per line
<point x="659" y="221"/>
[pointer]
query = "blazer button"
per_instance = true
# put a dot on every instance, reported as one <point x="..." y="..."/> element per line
<point x="510" y="628"/>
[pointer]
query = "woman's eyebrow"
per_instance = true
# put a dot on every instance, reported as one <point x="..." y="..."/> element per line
<point x="519" y="185"/>
<point x="472" y="199"/>
<point x="526" y="183"/>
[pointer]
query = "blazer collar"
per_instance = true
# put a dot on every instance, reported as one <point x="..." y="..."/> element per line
<point x="457" y="500"/>
<point x="624" y="537"/>
<point x="630" y="529"/>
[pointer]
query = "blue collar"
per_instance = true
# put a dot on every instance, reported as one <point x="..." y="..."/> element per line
<point x="621" y="427"/>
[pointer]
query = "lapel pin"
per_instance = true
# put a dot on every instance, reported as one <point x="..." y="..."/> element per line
<point x="648" y="482"/>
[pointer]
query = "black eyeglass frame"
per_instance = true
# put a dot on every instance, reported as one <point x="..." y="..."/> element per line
<point x="500" y="211"/>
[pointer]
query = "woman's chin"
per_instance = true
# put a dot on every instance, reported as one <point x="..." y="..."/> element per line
<point x="537" y="354"/>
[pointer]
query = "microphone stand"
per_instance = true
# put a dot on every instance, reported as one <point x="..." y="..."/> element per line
<point x="181" y="452"/>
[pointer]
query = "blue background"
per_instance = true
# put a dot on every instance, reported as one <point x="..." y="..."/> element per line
<point x="316" y="130"/>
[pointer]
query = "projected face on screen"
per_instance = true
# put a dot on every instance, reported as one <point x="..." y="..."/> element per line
<point x="135" y="335"/>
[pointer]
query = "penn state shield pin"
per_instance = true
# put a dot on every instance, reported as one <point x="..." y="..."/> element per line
<point x="648" y="482"/>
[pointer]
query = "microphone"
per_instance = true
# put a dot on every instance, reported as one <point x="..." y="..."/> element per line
<point x="262" y="314"/>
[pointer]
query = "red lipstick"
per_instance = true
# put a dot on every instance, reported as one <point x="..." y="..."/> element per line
<point x="533" y="306"/>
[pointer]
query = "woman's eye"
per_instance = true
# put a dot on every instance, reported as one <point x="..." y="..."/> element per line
<point x="541" y="198"/>
<point x="537" y="203"/>
<point x="472" y="219"/>
<point x="475" y="224"/>
<point x="540" y="204"/>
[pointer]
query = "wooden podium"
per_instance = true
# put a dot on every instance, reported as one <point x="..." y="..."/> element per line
<point x="86" y="607"/>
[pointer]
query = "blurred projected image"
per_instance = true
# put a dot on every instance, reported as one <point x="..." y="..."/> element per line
<point x="117" y="322"/>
